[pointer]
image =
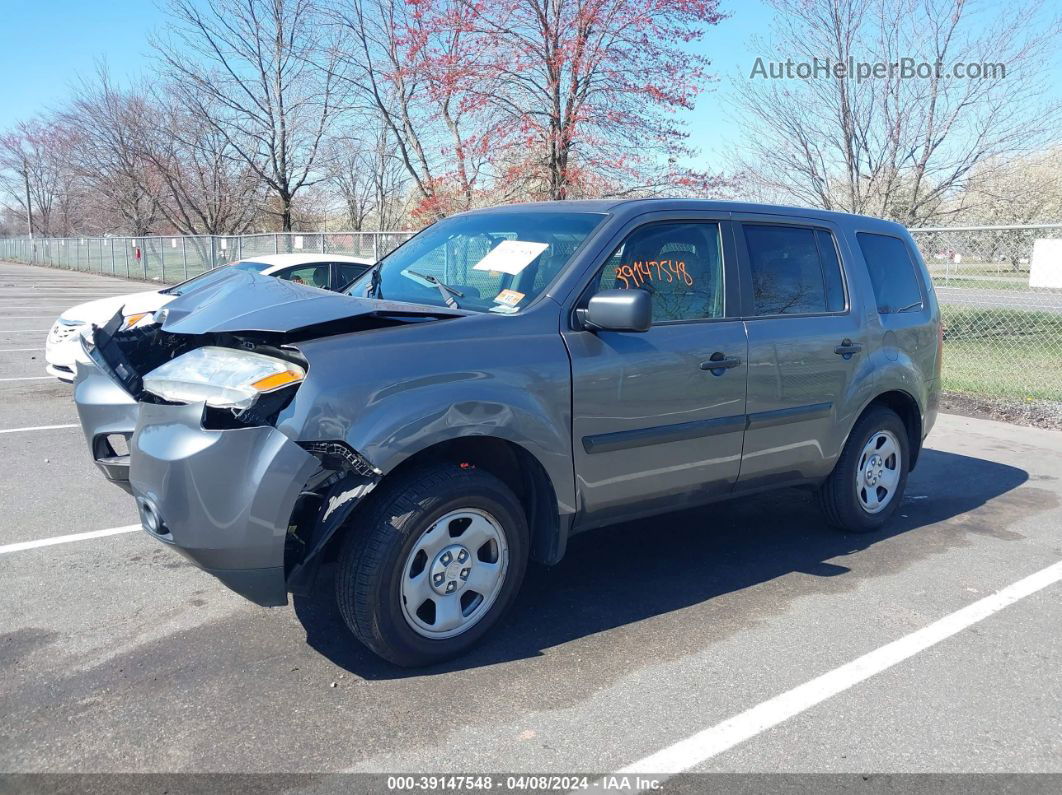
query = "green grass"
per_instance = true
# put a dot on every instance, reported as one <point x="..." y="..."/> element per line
<point x="1003" y="353"/>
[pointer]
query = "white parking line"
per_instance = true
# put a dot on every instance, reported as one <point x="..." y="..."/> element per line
<point x="29" y="378"/>
<point x="21" y="350"/>
<point x="47" y="542"/>
<point x="713" y="741"/>
<point x="38" y="428"/>
<point x="24" y="330"/>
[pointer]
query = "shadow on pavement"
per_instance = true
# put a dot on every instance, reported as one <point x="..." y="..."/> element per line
<point x="629" y="572"/>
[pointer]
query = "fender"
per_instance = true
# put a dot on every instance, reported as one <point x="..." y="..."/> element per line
<point x="373" y="398"/>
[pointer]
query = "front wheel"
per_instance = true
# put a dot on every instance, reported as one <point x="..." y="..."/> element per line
<point x="439" y="558"/>
<point x="866" y="486"/>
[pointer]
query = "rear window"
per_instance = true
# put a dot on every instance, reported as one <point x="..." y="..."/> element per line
<point x="795" y="270"/>
<point x="892" y="272"/>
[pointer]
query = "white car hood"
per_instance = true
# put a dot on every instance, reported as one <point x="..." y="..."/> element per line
<point x="103" y="309"/>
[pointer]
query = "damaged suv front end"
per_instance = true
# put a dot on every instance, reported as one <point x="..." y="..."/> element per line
<point x="198" y="401"/>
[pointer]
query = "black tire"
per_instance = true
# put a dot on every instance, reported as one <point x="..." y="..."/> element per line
<point x="374" y="555"/>
<point x="838" y="496"/>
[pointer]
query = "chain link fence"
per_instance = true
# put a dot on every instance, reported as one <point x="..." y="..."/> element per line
<point x="172" y="259"/>
<point x="1000" y="288"/>
<point x="1000" y="291"/>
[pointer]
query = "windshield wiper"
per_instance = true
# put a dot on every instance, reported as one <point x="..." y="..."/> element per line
<point x="445" y="290"/>
<point x="374" y="280"/>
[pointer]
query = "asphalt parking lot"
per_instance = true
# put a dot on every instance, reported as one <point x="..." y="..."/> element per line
<point x="116" y="655"/>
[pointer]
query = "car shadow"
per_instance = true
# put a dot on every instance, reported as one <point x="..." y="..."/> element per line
<point x="629" y="572"/>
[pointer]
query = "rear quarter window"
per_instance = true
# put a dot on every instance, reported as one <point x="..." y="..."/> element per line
<point x="892" y="272"/>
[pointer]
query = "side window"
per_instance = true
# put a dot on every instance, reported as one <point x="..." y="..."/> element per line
<point x="312" y="275"/>
<point x="795" y="270"/>
<point x="679" y="264"/>
<point x="891" y="272"/>
<point x="346" y="272"/>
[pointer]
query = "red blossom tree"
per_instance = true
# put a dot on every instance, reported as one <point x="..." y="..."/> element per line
<point x="492" y="100"/>
<point x="591" y="89"/>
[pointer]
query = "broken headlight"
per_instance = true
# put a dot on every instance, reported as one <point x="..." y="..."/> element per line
<point x="221" y="377"/>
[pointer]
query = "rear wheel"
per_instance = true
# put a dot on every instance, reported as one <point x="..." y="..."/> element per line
<point x="866" y="486"/>
<point x="438" y="560"/>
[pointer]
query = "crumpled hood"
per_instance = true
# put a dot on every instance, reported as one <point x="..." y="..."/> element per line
<point x="245" y="301"/>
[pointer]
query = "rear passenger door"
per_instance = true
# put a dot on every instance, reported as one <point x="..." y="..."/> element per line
<point x="807" y="356"/>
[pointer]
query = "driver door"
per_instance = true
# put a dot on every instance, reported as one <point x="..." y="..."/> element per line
<point x="655" y="426"/>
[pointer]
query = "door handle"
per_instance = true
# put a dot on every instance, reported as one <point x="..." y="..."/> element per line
<point x="718" y="363"/>
<point x="847" y="348"/>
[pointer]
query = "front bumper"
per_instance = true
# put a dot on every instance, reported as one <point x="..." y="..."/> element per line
<point x="105" y="411"/>
<point x="61" y="358"/>
<point x="222" y="498"/>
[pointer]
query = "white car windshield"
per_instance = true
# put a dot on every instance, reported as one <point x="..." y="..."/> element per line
<point x="211" y="276"/>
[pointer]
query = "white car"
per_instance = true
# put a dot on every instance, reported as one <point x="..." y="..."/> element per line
<point x="61" y="351"/>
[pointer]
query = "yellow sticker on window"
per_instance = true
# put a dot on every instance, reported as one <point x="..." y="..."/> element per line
<point x="509" y="297"/>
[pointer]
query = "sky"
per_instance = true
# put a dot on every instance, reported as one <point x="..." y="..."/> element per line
<point x="48" y="44"/>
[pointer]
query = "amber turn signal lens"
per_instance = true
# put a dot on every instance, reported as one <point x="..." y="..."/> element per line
<point x="132" y="320"/>
<point x="276" y="380"/>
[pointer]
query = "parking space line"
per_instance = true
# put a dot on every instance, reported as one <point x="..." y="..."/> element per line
<point x="20" y="350"/>
<point x="47" y="542"/>
<point x="24" y="330"/>
<point x="721" y="737"/>
<point x="38" y="428"/>
<point x="29" y="378"/>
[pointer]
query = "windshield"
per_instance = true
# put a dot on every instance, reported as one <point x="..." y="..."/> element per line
<point x="495" y="261"/>
<point x="211" y="276"/>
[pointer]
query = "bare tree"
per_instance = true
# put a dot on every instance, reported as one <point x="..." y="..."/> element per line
<point x="35" y="176"/>
<point x="395" y="70"/>
<point x="207" y="188"/>
<point x="889" y="142"/>
<point x="105" y="122"/>
<point x="369" y="177"/>
<point x="264" y="76"/>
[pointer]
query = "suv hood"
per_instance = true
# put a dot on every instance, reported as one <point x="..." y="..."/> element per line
<point x="245" y="301"/>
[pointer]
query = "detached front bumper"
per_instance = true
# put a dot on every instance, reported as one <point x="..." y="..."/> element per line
<point x="222" y="498"/>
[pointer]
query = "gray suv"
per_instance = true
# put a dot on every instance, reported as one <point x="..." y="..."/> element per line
<point x="506" y="379"/>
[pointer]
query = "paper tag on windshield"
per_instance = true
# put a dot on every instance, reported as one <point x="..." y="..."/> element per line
<point x="509" y="297"/>
<point x="510" y="256"/>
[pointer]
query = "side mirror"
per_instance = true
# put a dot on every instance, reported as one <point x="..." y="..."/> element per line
<point x="618" y="310"/>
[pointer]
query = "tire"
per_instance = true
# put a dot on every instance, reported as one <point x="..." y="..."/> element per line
<point x="847" y="497"/>
<point x="407" y="530"/>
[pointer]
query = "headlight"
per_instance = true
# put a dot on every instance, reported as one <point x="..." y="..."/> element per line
<point x="131" y="321"/>
<point x="63" y="329"/>
<point x="222" y="377"/>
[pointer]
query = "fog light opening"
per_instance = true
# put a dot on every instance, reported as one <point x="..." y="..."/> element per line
<point x="119" y="444"/>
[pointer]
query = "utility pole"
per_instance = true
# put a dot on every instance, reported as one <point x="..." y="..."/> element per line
<point x="29" y="209"/>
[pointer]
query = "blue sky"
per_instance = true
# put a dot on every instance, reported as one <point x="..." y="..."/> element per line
<point x="49" y="43"/>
